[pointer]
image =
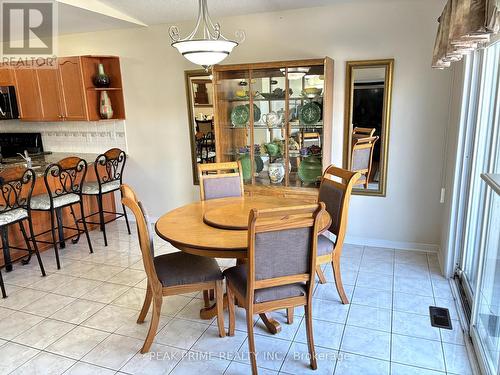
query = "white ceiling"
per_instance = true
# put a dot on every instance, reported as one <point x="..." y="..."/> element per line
<point x="74" y="20"/>
<point x="77" y="16"/>
<point x="167" y="11"/>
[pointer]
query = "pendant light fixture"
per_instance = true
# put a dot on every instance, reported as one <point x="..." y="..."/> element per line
<point x="205" y="45"/>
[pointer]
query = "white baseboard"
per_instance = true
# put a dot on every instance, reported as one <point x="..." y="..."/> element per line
<point x="398" y="245"/>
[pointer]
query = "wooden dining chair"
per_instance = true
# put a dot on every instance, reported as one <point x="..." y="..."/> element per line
<point x="335" y="192"/>
<point x="220" y="180"/>
<point x="362" y="158"/>
<point x="170" y="274"/>
<point x="363" y="132"/>
<point x="280" y="272"/>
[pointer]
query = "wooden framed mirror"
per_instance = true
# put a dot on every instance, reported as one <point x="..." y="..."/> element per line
<point x="199" y="94"/>
<point x="367" y="118"/>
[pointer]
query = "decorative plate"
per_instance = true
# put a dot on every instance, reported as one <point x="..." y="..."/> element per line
<point x="240" y="115"/>
<point x="310" y="113"/>
<point x="256" y="112"/>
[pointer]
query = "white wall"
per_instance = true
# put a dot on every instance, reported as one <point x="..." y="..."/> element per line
<point x="157" y="131"/>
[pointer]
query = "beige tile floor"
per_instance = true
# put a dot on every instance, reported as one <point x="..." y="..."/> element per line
<point x="81" y="319"/>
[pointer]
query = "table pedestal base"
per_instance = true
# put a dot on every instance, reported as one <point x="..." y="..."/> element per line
<point x="272" y="325"/>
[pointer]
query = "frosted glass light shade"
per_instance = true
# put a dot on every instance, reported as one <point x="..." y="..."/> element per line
<point x="205" y="52"/>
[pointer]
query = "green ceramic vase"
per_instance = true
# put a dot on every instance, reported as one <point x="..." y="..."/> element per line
<point x="310" y="169"/>
<point x="246" y="166"/>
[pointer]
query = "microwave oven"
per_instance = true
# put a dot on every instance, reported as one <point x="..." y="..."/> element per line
<point x="8" y="103"/>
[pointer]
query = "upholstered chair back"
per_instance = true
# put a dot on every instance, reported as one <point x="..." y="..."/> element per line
<point x="129" y="199"/>
<point x="362" y="154"/>
<point x="220" y="180"/>
<point x="282" y="246"/>
<point x="335" y="192"/>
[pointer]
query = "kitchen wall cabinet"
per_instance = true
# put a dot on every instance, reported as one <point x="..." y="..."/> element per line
<point x="65" y="93"/>
<point x="6" y="76"/>
<point x="71" y="89"/>
<point x="28" y="94"/>
<point x="48" y="83"/>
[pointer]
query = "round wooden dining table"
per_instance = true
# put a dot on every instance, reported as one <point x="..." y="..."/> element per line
<point x="217" y="228"/>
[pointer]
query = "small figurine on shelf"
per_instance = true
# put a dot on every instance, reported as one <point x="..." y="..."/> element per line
<point x="293" y="145"/>
<point x="105" y="109"/>
<point x="101" y="79"/>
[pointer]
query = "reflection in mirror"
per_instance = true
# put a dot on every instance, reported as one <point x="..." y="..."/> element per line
<point x="199" y="89"/>
<point x="367" y="119"/>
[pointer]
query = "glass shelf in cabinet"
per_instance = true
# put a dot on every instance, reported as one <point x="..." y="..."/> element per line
<point x="305" y="126"/>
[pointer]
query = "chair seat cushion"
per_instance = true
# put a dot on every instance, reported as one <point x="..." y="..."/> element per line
<point x="92" y="188"/>
<point x="42" y="202"/>
<point x="181" y="268"/>
<point x="325" y="245"/>
<point x="237" y="277"/>
<point x="13" y="216"/>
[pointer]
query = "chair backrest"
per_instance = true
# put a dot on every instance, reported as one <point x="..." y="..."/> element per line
<point x="362" y="154"/>
<point x="65" y="177"/>
<point x="220" y="180"/>
<point x="310" y="138"/>
<point x="204" y="126"/>
<point x="16" y="187"/>
<point x="109" y="166"/>
<point x="282" y="246"/>
<point x="335" y="192"/>
<point x="367" y="132"/>
<point x="129" y="199"/>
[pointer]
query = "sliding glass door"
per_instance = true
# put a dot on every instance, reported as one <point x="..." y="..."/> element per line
<point x="483" y="69"/>
<point x="478" y="262"/>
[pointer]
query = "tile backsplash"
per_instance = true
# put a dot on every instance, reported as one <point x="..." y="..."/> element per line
<point x="74" y="136"/>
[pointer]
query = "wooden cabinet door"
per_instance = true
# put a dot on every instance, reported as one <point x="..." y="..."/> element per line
<point x="6" y="76"/>
<point x="72" y="91"/>
<point x="48" y="80"/>
<point x="28" y="94"/>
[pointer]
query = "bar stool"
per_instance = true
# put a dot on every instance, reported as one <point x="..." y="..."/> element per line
<point x="63" y="183"/>
<point x="16" y="186"/>
<point x="109" y="172"/>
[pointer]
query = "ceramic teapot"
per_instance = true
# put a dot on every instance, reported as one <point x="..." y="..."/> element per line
<point x="273" y="119"/>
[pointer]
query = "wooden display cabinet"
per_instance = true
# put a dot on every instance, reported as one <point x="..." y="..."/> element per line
<point x="293" y="141"/>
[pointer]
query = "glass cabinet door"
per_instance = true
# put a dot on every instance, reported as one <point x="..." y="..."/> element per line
<point x="305" y="137"/>
<point x="269" y="128"/>
<point x="233" y="117"/>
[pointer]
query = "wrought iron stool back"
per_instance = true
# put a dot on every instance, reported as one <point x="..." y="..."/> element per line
<point x="108" y="169"/>
<point x="16" y="189"/>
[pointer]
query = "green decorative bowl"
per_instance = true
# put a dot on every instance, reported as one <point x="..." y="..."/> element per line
<point x="256" y="112"/>
<point x="310" y="169"/>
<point x="310" y="113"/>
<point x="240" y="115"/>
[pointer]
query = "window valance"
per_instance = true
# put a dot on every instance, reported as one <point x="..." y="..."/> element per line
<point x="464" y="26"/>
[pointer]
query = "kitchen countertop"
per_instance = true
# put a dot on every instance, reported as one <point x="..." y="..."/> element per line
<point x="40" y="162"/>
